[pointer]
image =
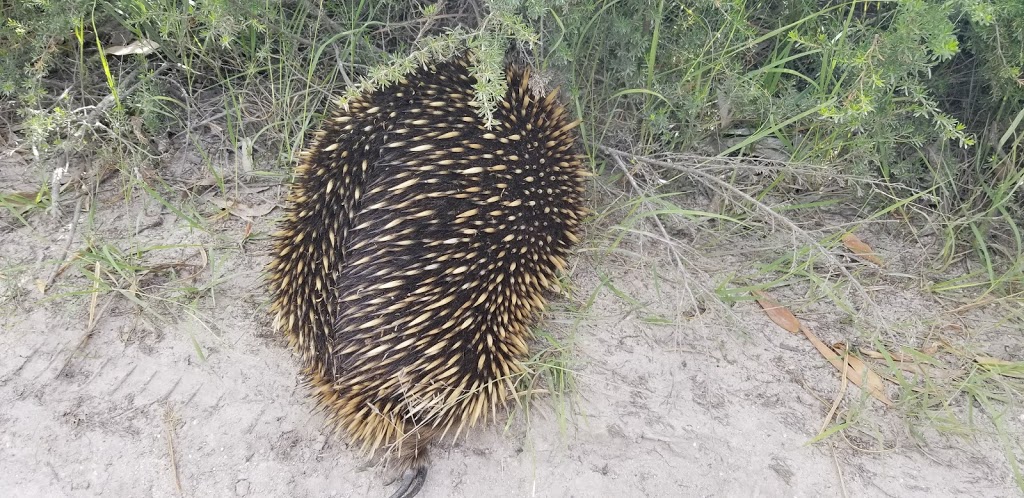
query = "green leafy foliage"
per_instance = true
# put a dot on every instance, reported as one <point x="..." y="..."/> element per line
<point x="922" y="94"/>
<point x="881" y="77"/>
<point x="908" y="91"/>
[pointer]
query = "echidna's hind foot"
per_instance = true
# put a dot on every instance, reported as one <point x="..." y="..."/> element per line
<point x="412" y="481"/>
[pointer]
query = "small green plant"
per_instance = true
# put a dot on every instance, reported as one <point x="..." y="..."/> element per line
<point x="22" y="204"/>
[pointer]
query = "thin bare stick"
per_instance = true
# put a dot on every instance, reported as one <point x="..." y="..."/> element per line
<point x="839" y="470"/>
<point x="839" y="396"/>
<point x="671" y="243"/>
<point x="107" y="102"/>
<point x="67" y="245"/>
<point x="169" y="432"/>
<point x="664" y="233"/>
<point x="730" y="189"/>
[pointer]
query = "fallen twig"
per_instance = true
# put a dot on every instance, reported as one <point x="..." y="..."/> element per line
<point x="169" y="433"/>
<point x="730" y="189"/>
<point x="59" y="268"/>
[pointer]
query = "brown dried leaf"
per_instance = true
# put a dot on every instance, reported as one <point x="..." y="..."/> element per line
<point x="874" y="382"/>
<point x="142" y="47"/>
<point x="862" y="250"/>
<point x="777" y="312"/>
<point x="858" y="371"/>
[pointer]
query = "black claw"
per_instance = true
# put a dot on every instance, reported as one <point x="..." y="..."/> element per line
<point x="412" y="481"/>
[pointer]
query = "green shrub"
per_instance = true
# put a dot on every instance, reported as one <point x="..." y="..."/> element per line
<point x="904" y="90"/>
<point x="924" y="94"/>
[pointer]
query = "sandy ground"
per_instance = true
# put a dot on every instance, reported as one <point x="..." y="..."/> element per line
<point x="667" y="402"/>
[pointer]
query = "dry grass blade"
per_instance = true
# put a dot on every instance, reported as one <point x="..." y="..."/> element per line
<point x="838" y="399"/>
<point x="868" y="306"/>
<point x="94" y="318"/>
<point x="1014" y="369"/>
<point x="896" y="356"/>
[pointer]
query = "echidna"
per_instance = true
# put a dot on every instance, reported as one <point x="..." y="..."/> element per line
<point x="415" y="253"/>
